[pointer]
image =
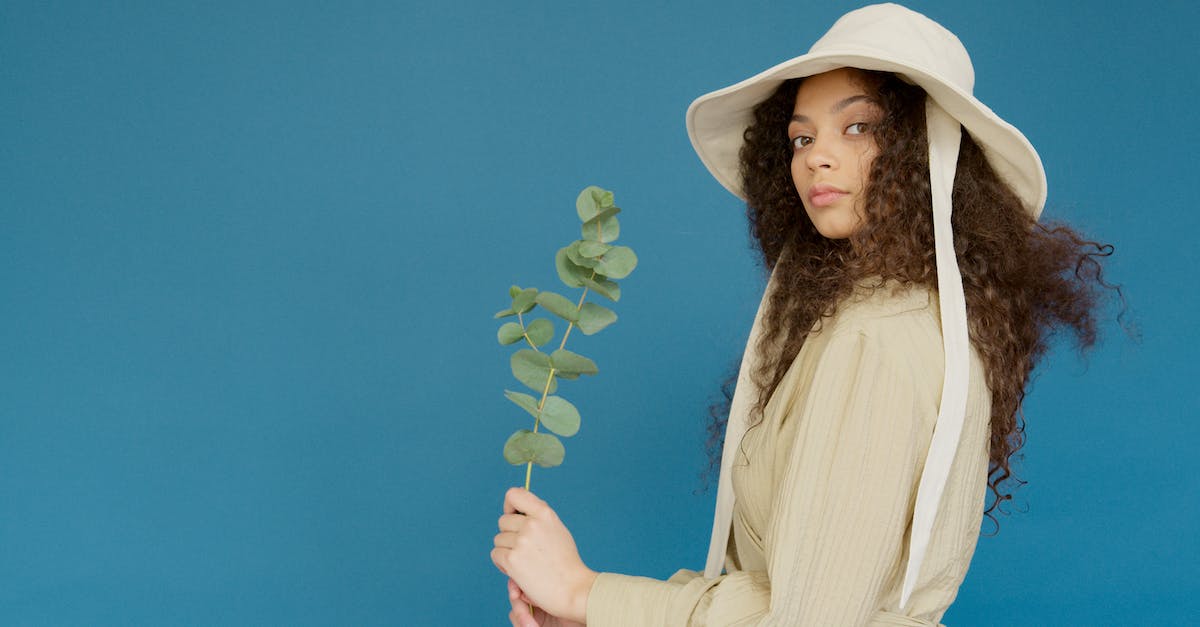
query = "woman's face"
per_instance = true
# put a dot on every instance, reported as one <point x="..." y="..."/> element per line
<point x="833" y="145"/>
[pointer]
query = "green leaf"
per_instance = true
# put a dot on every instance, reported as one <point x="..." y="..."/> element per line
<point x="578" y="259"/>
<point x="525" y="446"/>
<point x="591" y="201"/>
<point x="591" y="250"/>
<point x="559" y="306"/>
<point x="617" y="263"/>
<point x="532" y="368"/>
<point x="504" y="313"/>
<point x="604" y="287"/>
<point x="513" y="291"/>
<point x="593" y="318"/>
<point x="540" y="331"/>
<point x="565" y="361"/>
<point x="524" y="401"/>
<point x="569" y="272"/>
<point x="602" y="228"/>
<point x="510" y="333"/>
<point x="560" y="416"/>
<point x="523" y="301"/>
<point x="606" y="213"/>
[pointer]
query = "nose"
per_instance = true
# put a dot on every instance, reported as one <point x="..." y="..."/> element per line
<point x="820" y="155"/>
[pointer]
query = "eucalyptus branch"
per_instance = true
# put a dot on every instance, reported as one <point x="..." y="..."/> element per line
<point x="593" y="264"/>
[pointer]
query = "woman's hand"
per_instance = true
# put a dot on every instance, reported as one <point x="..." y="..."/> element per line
<point x="535" y="549"/>
<point x="520" y="615"/>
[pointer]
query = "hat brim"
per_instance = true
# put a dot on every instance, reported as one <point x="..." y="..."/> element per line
<point x="716" y="121"/>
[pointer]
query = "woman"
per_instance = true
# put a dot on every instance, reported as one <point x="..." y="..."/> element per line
<point x="912" y="293"/>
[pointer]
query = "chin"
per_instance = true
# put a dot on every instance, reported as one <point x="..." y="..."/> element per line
<point x="836" y="229"/>
<point x="836" y="224"/>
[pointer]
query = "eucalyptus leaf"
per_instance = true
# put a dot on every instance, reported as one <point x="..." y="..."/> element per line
<point x="606" y="213"/>
<point x="540" y="331"/>
<point x="525" y="446"/>
<point x="591" y="250"/>
<point x="513" y="291"/>
<point x="578" y="259"/>
<point x="569" y="272"/>
<point x="601" y="229"/>
<point x="524" y="401"/>
<point x="504" y="313"/>
<point x="593" y="318"/>
<point x="533" y="369"/>
<point x="604" y="287"/>
<point x="559" y="306"/>
<point x="560" y="416"/>
<point x="510" y="333"/>
<point x="564" y="360"/>
<point x="591" y="201"/>
<point x="617" y="263"/>
<point x="523" y="301"/>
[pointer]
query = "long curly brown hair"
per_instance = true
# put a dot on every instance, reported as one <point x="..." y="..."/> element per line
<point x="1024" y="280"/>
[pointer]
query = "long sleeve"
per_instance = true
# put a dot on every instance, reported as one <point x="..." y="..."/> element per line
<point x="836" y="532"/>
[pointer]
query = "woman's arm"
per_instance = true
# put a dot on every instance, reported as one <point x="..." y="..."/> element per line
<point x="837" y="527"/>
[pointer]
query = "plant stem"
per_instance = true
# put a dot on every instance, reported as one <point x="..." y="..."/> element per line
<point x="537" y="420"/>
<point x="571" y="325"/>
<point x="578" y="308"/>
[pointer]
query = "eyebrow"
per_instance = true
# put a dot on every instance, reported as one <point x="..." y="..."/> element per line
<point x="841" y="104"/>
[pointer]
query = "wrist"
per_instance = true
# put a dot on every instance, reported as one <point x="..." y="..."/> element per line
<point x="579" y="599"/>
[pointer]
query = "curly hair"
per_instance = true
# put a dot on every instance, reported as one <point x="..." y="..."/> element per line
<point x="1023" y="280"/>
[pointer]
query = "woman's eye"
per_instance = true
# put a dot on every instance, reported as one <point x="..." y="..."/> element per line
<point x="858" y="128"/>
<point x="801" y="142"/>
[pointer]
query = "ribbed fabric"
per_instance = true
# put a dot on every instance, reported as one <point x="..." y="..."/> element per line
<point x="825" y="487"/>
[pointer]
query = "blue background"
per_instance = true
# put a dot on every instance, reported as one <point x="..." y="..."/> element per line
<point x="249" y="256"/>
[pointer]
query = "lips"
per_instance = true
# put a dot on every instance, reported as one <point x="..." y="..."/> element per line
<point x="823" y="195"/>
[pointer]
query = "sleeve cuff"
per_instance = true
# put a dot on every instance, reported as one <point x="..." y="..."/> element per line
<point x="622" y="600"/>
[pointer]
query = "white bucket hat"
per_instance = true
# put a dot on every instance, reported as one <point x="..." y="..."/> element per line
<point x="889" y="38"/>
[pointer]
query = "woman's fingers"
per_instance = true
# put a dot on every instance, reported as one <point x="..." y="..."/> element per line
<point x="515" y="594"/>
<point x="500" y="559"/>
<point x="512" y="522"/>
<point x="523" y="501"/>
<point x="519" y="615"/>
<point x="523" y="618"/>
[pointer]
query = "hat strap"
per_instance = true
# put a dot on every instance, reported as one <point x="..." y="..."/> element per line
<point x="945" y="133"/>
<point x="735" y="429"/>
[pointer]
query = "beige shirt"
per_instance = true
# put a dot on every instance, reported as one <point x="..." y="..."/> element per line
<point x="826" y="483"/>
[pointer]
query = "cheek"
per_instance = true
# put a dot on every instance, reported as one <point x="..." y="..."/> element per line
<point x="800" y="174"/>
<point x="865" y="161"/>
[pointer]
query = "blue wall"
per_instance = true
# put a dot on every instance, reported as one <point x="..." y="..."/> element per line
<point x="249" y="256"/>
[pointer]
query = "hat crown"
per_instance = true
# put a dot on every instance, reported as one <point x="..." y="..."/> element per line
<point x="890" y="31"/>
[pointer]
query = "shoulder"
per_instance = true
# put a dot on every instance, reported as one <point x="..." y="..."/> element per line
<point x="899" y="328"/>
<point x="876" y="308"/>
<point x="898" y="325"/>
